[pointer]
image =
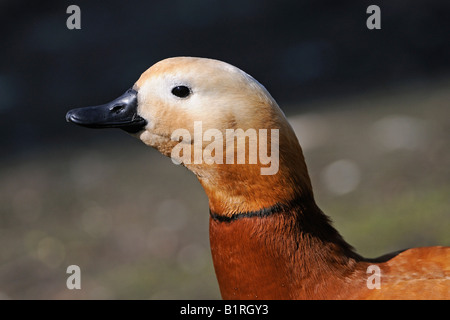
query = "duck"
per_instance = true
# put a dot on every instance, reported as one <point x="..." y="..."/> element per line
<point x="268" y="237"/>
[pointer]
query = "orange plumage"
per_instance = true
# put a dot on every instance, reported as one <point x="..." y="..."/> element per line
<point x="269" y="239"/>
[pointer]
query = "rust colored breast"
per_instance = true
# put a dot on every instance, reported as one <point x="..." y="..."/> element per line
<point x="247" y="264"/>
<point x="271" y="256"/>
<point x="281" y="256"/>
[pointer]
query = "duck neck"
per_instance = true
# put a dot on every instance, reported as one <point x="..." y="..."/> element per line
<point x="239" y="188"/>
<point x="287" y="251"/>
<point x="269" y="239"/>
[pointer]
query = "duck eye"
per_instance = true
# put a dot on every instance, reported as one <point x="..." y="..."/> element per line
<point x="181" y="91"/>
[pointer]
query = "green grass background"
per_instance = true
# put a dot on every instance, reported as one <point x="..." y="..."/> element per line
<point x="137" y="225"/>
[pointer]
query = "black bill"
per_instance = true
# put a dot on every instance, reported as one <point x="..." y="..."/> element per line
<point x="119" y="113"/>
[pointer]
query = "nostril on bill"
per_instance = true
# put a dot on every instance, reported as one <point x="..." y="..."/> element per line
<point x="117" y="109"/>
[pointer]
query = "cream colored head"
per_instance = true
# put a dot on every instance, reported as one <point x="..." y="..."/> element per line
<point x="177" y="94"/>
<point x="222" y="97"/>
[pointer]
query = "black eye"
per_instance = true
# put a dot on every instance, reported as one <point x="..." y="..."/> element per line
<point x="181" y="91"/>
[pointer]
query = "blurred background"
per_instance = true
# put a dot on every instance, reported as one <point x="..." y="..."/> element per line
<point x="370" y="108"/>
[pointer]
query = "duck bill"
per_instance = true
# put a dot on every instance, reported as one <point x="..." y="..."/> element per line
<point x="119" y="113"/>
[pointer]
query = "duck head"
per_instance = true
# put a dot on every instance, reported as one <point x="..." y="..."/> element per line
<point x="188" y="108"/>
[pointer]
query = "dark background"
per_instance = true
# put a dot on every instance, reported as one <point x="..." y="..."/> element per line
<point x="370" y="108"/>
<point x="300" y="50"/>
